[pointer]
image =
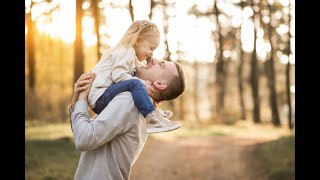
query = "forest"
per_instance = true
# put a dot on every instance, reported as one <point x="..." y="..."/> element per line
<point x="238" y="55"/>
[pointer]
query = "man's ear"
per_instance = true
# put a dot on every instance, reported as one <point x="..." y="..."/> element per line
<point x="160" y="84"/>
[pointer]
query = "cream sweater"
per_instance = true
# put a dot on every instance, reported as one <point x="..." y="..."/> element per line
<point x="118" y="66"/>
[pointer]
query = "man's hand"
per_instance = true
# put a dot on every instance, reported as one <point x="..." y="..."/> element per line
<point x="86" y="87"/>
<point x="149" y="88"/>
<point x="82" y="87"/>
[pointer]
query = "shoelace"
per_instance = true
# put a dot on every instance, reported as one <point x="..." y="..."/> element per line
<point x="164" y="120"/>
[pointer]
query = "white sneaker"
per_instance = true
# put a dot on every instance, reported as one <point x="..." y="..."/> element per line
<point x="157" y="123"/>
<point x="166" y="113"/>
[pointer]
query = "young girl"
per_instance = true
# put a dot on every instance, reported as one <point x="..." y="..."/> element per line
<point x="115" y="70"/>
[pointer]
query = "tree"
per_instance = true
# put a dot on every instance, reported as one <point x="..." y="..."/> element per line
<point x="131" y="10"/>
<point x="272" y="77"/>
<point x="79" y="58"/>
<point x="240" y="72"/>
<point x="220" y="65"/>
<point x="181" y="98"/>
<point x="96" y="17"/>
<point x="196" y="90"/>
<point x="288" y="72"/>
<point x="152" y="5"/>
<point x="254" y="70"/>
<point x="30" y="52"/>
<point x="165" y="30"/>
<point x="31" y="35"/>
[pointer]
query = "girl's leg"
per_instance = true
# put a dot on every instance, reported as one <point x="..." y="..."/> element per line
<point x="138" y="91"/>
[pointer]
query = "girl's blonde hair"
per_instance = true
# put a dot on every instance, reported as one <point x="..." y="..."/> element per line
<point x="140" y="28"/>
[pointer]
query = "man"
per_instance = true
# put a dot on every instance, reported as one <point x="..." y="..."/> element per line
<point x="112" y="142"/>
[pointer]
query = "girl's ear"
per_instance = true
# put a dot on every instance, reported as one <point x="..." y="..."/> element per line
<point x="160" y="84"/>
<point x="137" y="41"/>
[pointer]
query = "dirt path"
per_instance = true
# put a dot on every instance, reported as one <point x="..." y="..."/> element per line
<point x="198" y="158"/>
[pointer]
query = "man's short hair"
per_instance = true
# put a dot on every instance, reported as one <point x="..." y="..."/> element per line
<point x="176" y="85"/>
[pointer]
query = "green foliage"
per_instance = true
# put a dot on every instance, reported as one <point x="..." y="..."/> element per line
<point x="278" y="158"/>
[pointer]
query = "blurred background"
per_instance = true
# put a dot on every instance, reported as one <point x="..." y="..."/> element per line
<point x="238" y="108"/>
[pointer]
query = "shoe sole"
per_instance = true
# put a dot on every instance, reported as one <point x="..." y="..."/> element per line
<point x="159" y="130"/>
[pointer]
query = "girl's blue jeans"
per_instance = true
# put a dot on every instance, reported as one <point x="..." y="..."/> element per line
<point x="138" y="91"/>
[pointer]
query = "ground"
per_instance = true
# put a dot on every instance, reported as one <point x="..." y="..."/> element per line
<point x="199" y="158"/>
<point x="210" y="152"/>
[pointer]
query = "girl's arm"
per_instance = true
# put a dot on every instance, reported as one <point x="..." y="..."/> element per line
<point x="122" y="64"/>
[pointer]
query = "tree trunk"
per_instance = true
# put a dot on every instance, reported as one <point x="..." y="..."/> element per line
<point x="272" y="80"/>
<point x="272" y="90"/>
<point x="96" y="16"/>
<point x="240" y="74"/>
<point x="240" y="84"/>
<point x="220" y="73"/>
<point x="31" y="50"/>
<point x="62" y="63"/>
<point x="167" y="55"/>
<point x="79" y="58"/>
<point x="255" y="78"/>
<point x="165" y="32"/>
<point x="290" y="123"/>
<point x="131" y="10"/>
<point x="152" y="4"/>
<point x="196" y="91"/>
<point x="288" y="95"/>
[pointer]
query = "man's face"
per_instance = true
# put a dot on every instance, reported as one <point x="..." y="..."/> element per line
<point x="157" y="70"/>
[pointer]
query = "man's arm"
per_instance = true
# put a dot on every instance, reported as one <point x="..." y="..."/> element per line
<point x="115" y="119"/>
<point x="83" y="85"/>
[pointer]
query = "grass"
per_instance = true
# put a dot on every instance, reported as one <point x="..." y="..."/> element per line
<point x="277" y="158"/>
<point x="50" y="152"/>
<point x="47" y="131"/>
<point x="50" y="159"/>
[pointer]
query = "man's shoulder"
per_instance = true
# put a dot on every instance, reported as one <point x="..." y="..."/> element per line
<point x="124" y="99"/>
<point x="121" y="104"/>
<point x="124" y="95"/>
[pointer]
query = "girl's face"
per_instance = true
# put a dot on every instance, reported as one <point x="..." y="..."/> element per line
<point x="145" y="47"/>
